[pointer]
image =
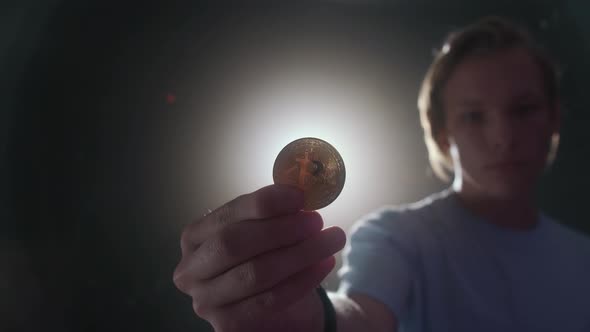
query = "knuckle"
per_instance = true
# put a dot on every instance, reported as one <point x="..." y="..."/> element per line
<point x="210" y="249"/>
<point x="225" y="213"/>
<point x="204" y="298"/>
<point x="186" y="234"/>
<point x="219" y="249"/>
<point x="197" y="308"/>
<point x="179" y="281"/>
<point x="186" y="284"/>
<point x="225" y="246"/>
<point x="247" y="275"/>
<point x="201" y="309"/>
<point x="177" y="273"/>
<point x="265" y="301"/>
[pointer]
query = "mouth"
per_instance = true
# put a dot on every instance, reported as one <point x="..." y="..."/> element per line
<point x="507" y="165"/>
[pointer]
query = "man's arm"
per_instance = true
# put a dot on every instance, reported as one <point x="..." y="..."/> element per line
<point x="358" y="312"/>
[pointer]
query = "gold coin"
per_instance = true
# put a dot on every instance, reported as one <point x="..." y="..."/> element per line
<point x="314" y="166"/>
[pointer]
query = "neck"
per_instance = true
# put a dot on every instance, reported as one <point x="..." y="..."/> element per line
<point x="516" y="212"/>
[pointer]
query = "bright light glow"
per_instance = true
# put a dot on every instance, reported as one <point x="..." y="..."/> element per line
<point x="345" y="112"/>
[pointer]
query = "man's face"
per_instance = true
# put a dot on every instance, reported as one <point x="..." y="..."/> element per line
<point x="499" y="121"/>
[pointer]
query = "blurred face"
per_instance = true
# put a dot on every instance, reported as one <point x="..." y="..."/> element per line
<point x="499" y="123"/>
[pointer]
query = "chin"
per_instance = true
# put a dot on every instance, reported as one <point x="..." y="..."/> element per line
<point x="509" y="189"/>
<point x="498" y="185"/>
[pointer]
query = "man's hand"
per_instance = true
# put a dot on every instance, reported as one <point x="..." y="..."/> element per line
<point x="254" y="263"/>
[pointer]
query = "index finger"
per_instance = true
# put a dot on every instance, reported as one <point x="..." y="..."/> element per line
<point x="267" y="202"/>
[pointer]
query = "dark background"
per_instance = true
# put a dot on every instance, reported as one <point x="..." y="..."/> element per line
<point x="100" y="169"/>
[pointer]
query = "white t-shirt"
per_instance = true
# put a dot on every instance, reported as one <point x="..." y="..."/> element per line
<point x="440" y="268"/>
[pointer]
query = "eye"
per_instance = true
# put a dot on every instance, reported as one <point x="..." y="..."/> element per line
<point x="525" y="109"/>
<point x="472" y="116"/>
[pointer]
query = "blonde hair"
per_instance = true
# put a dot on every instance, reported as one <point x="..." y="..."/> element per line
<point x="486" y="36"/>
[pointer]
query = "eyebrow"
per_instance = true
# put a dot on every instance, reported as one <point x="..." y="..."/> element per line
<point x="527" y="95"/>
<point x="468" y="102"/>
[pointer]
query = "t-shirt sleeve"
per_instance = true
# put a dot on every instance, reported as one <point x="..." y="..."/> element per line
<point x="378" y="260"/>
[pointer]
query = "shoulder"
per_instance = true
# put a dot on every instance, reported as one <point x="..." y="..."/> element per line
<point x="564" y="236"/>
<point x="401" y="220"/>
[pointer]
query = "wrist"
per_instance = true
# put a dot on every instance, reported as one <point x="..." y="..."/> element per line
<point x="329" y="314"/>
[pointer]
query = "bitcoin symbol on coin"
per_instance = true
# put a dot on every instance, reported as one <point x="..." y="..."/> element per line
<point x="314" y="166"/>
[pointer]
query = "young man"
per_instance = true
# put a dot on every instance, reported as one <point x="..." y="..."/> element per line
<point x="478" y="256"/>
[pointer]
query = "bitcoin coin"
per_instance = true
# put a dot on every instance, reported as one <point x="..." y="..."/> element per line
<point x="314" y="166"/>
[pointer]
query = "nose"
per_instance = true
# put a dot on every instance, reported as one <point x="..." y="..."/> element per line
<point x="502" y="133"/>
